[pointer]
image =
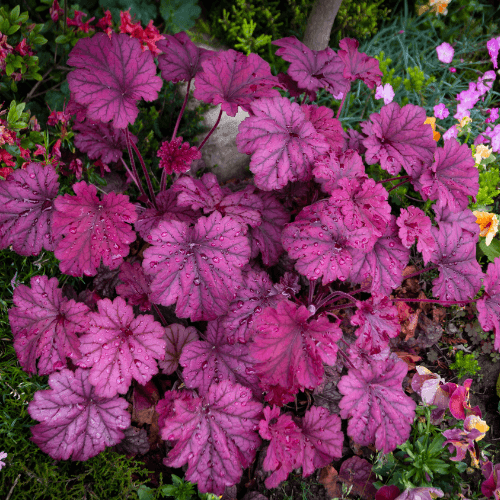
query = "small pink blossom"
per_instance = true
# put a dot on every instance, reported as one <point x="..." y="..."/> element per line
<point x="451" y="133"/>
<point x="177" y="156"/>
<point x="441" y="112"/>
<point x="453" y="70"/>
<point x="385" y="92"/>
<point x="493" y="47"/>
<point x="493" y="112"/>
<point x="445" y="53"/>
<point x="55" y="11"/>
<point x="2" y="456"/>
<point x="485" y="82"/>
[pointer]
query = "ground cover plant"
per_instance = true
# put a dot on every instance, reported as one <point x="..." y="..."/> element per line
<point x="214" y="317"/>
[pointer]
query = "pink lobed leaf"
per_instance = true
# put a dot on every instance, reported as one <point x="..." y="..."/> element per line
<point x="76" y="423"/>
<point x="233" y="79"/>
<point x="181" y="58"/>
<point x="214" y="359"/>
<point x="120" y="347"/>
<point x="45" y="325"/>
<point x="283" y="144"/>
<point x="101" y="140"/>
<point x="459" y="272"/>
<point x="266" y="238"/>
<point x="214" y="435"/>
<point x="26" y="209"/>
<point x="397" y="137"/>
<point x="199" y="267"/>
<point x="323" y="121"/>
<point x="358" y="66"/>
<point x="488" y="306"/>
<point x="382" y="267"/>
<point x="177" y="338"/>
<point x="358" y="471"/>
<point x="452" y="178"/>
<point x="313" y="69"/>
<point x="256" y="293"/>
<point x="378" y="322"/>
<point x="111" y="75"/>
<point x="464" y="219"/>
<point x="414" y="224"/>
<point x="380" y="413"/>
<point x="135" y="286"/>
<point x="290" y="349"/>
<point x="92" y="230"/>
<point x="168" y="209"/>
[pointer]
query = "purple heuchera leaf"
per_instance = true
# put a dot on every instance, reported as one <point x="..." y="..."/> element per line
<point x="177" y="338"/>
<point x="290" y="349"/>
<point x="135" y="286"/>
<point x="256" y="293"/>
<point x="363" y="204"/>
<point x="168" y="209"/>
<point x="313" y="69"/>
<point x="199" y="267"/>
<point x="378" y="322"/>
<point x="214" y="435"/>
<point x="26" y="209"/>
<point x="233" y="79"/>
<point x="243" y="206"/>
<point x="382" y="267"/>
<point x="283" y="144"/>
<point x="101" y="140"/>
<point x="112" y="75"/>
<point x="358" y="471"/>
<point x="311" y="442"/>
<point x="464" y="219"/>
<point x="380" y="412"/>
<point x="135" y="442"/>
<point x="397" y="137"/>
<point x="322" y="244"/>
<point x="330" y="168"/>
<point x="420" y="494"/>
<point x="267" y="236"/>
<point x="120" y="347"/>
<point x="488" y="306"/>
<point x="215" y="359"/>
<point x="92" y="230"/>
<point x="76" y="423"/>
<point x="414" y="224"/>
<point x="459" y="272"/>
<point x="358" y="66"/>
<point x="452" y="178"/>
<point x="323" y="121"/>
<point x="45" y="325"/>
<point x="181" y="58"/>
<point x="290" y="85"/>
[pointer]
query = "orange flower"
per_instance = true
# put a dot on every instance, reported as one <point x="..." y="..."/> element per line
<point x="488" y="225"/>
<point x="432" y="122"/>
<point x="482" y="151"/>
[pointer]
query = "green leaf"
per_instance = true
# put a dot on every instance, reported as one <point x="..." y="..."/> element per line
<point x="13" y="29"/>
<point x="62" y="39"/>
<point x="9" y="69"/>
<point x="39" y="40"/>
<point x="179" y="15"/>
<point x="14" y="14"/>
<point x="23" y="17"/>
<point x="492" y="251"/>
<point x="498" y="386"/>
<point x="145" y="493"/>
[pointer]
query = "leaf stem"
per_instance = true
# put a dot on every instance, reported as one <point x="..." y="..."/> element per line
<point x="398" y="184"/>
<point x="211" y="131"/>
<point x="132" y="176"/>
<point x="162" y="318"/>
<point x="132" y="163"/>
<point x="394" y="179"/>
<point x="163" y="182"/>
<point x="346" y="358"/>
<point x="341" y="105"/>
<point x="312" y="286"/>
<point x="144" y="169"/>
<point x="338" y="295"/>
<point x="181" y="112"/>
<point x="424" y="270"/>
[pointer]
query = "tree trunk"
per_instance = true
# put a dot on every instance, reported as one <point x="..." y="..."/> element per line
<point x="319" y="24"/>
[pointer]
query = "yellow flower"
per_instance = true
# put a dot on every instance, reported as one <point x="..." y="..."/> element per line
<point x="432" y="122"/>
<point x="464" y="121"/>
<point x="482" y="151"/>
<point x="488" y="225"/>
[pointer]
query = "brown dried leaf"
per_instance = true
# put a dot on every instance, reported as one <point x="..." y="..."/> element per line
<point x="328" y="477"/>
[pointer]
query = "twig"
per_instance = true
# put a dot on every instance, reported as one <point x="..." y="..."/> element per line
<point x="37" y="84"/>
<point x="48" y="90"/>
<point x="12" y="488"/>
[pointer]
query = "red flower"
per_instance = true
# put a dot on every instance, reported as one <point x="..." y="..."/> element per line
<point x="6" y="158"/>
<point x="176" y="157"/>
<point x="23" y="48"/>
<point x="55" y="11"/>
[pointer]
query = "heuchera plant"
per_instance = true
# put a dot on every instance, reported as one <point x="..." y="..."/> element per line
<point x="311" y="217"/>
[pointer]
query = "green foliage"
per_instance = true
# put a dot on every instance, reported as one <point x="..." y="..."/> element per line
<point x="465" y="364"/>
<point x="492" y="251"/>
<point x="388" y="74"/>
<point x="179" y="15"/>
<point x="421" y="461"/>
<point x="417" y="79"/>
<point x="179" y="490"/>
